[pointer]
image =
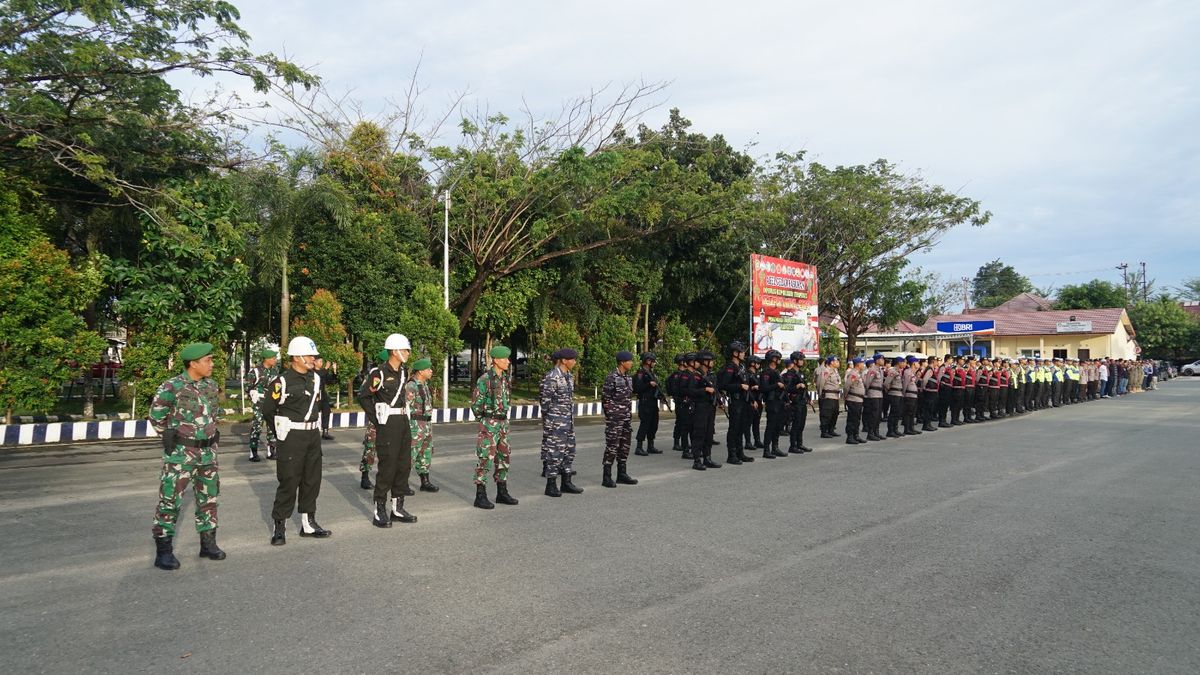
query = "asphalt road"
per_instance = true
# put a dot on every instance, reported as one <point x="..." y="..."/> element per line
<point x="1064" y="541"/>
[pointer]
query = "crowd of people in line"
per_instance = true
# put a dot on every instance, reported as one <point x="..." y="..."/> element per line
<point x="882" y="399"/>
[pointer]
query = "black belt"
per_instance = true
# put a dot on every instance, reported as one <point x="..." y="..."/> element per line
<point x="875" y="388"/>
<point x="423" y="418"/>
<point x="495" y="418"/>
<point x="193" y="443"/>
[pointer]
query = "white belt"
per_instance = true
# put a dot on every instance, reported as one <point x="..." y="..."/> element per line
<point x="306" y="426"/>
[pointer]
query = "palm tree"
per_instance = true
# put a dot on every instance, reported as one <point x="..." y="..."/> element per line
<point x="281" y="195"/>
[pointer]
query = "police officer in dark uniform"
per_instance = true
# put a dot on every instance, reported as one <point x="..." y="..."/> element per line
<point x="702" y="392"/>
<point x="945" y="397"/>
<point x="753" y="436"/>
<point x="293" y="407"/>
<point x="771" y="386"/>
<point x="735" y="383"/>
<point x="679" y="436"/>
<point x="795" y="390"/>
<point x="686" y="386"/>
<point x="645" y="388"/>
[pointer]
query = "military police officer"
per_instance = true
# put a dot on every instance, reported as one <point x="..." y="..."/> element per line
<point x="256" y="388"/>
<point x="382" y="399"/>
<point x="294" y="407"/>
<point x="184" y="412"/>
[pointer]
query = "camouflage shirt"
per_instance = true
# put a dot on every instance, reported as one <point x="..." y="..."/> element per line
<point x="260" y="376"/>
<point x="557" y="394"/>
<point x="192" y="409"/>
<point x="616" y="395"/>
<point x="492" y="395"/>
<point x="418" y="398"/>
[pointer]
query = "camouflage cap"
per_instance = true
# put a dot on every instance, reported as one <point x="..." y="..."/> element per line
<point x="196" y="350"/>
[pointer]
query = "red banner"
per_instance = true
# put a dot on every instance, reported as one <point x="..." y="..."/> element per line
<point x="783" y="306"/>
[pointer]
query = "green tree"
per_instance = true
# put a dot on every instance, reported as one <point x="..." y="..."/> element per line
<point x="87" y="110"/>
<point x="1164" y="329"/>
<point x="322" y="321"/>
<point x="613" y="334"/>
<point x="43" y="339"/>
<point x="185" y="279"/>
<point x="858" y="225"/>
<point x="430" y="328"/>
<point x="996" y="283"/>
<point x="888" y="300"/>
<point x="280" y="197"/>
<point x="1190" y="289"/>
<point x="554" y="335"/>
<point x="1094" y="294"/>
<point x="675" y="338"/>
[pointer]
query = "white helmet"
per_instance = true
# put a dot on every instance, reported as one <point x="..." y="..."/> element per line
<point x="302" y="346"/>
<point x="396" y="341"/>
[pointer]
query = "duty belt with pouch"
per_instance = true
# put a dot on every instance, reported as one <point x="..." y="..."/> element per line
<point x="383" y="411"/>
<point x="284" y="426"/>
<point x="423" y="418"/>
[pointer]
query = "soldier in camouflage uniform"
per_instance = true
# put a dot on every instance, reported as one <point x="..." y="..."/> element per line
<point x="256" y="389"/>
<point x="489" y="404"/>
<point x="184" y="412"/>
<point x="615" y="398"/>
<point x="368" y="455"/>
<point x="419" y="401"/>
<point x="556" y="399"/>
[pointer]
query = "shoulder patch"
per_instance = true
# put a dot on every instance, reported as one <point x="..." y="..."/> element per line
<point x="277" y="390"/>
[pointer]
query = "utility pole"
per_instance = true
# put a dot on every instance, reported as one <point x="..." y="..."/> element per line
<point x="1125" y="280"/>
<point x="1145" y="287"/>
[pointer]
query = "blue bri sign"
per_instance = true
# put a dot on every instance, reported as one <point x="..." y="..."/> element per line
<point x="965" y="326"/>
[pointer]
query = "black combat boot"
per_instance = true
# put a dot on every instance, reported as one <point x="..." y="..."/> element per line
<point x="710" y="464"/>
<point x="851" y="439"/>
<point x="426" y="484"/>
<point x="640" y="451"/>
<point x="254" y="455"/>
<point x="675" y="444"/>
<point x="208" y="546"/>
<point x="650" y="447"/>
<point x="607" y="481"/>
<point x="382" y="517"/>
<point x="552" y="487"/>
<point x="767" y="454"/>
<point x="746" y="459"/>
<point x="874" y="437"/>
<point x="398" y="512"/>
<point x="279" y="534"/>
<point x="687" y="453"/>
<point x="698" y="464"/>
<point x="776" y="451"/>
<point x="502" y="496"/>
<point x="569" y="487"/>
<point x="365" y="483"/>
<point x="732" y="458"/>
<point x="408" y="491"/>
<point x="826" y="434"/>
<point x="623" y="476"/>
<point x="310" y="528"/>
<point x="164" y="555"/>
<point x="481" y="500"/>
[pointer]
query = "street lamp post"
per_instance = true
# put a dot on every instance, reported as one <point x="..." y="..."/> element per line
<point x="446" y="293"/>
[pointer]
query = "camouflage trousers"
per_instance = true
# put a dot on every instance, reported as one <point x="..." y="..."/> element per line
<point x="491" y="447"/>
<point x="616" y="439"/>
<point x="256" y="426"/>
<point x="558" y="444"/>
<point x="422" y="445"/>
<point x="368" y="456"/>
<point x="206" y="486"/>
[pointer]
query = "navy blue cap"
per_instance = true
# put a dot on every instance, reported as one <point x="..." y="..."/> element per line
<point x="856" y="360"/>
<point x="624" y="356"/>
<point x="898" y="360"/>
<point x="565" y="353"/>
<point x="830" y="359"/>
<point x="912" y="359"/>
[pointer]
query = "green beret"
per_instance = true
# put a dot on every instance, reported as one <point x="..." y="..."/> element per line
<point x="383" y="355"/>
<point x="196" y="350"/>
<point x="422" y="364"/>
<point x="268" y="353"/>
<point x="500" y="352"/>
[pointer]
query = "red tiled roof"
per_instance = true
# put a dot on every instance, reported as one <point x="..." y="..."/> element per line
<point x="1104" y="321"/>
<point x="1191" y="307"/>
<point x="901" y="326"/>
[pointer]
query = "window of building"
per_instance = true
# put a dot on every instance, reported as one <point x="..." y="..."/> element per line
<point x="1031" y="354"/>
<point x="1085" y="354"/>
<point x="1060" y="353"/>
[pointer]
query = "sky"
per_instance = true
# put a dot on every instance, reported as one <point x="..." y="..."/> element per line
<point x="1074" y="123"/>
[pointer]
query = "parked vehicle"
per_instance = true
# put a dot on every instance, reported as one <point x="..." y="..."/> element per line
<point x="1192" y="368"/>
